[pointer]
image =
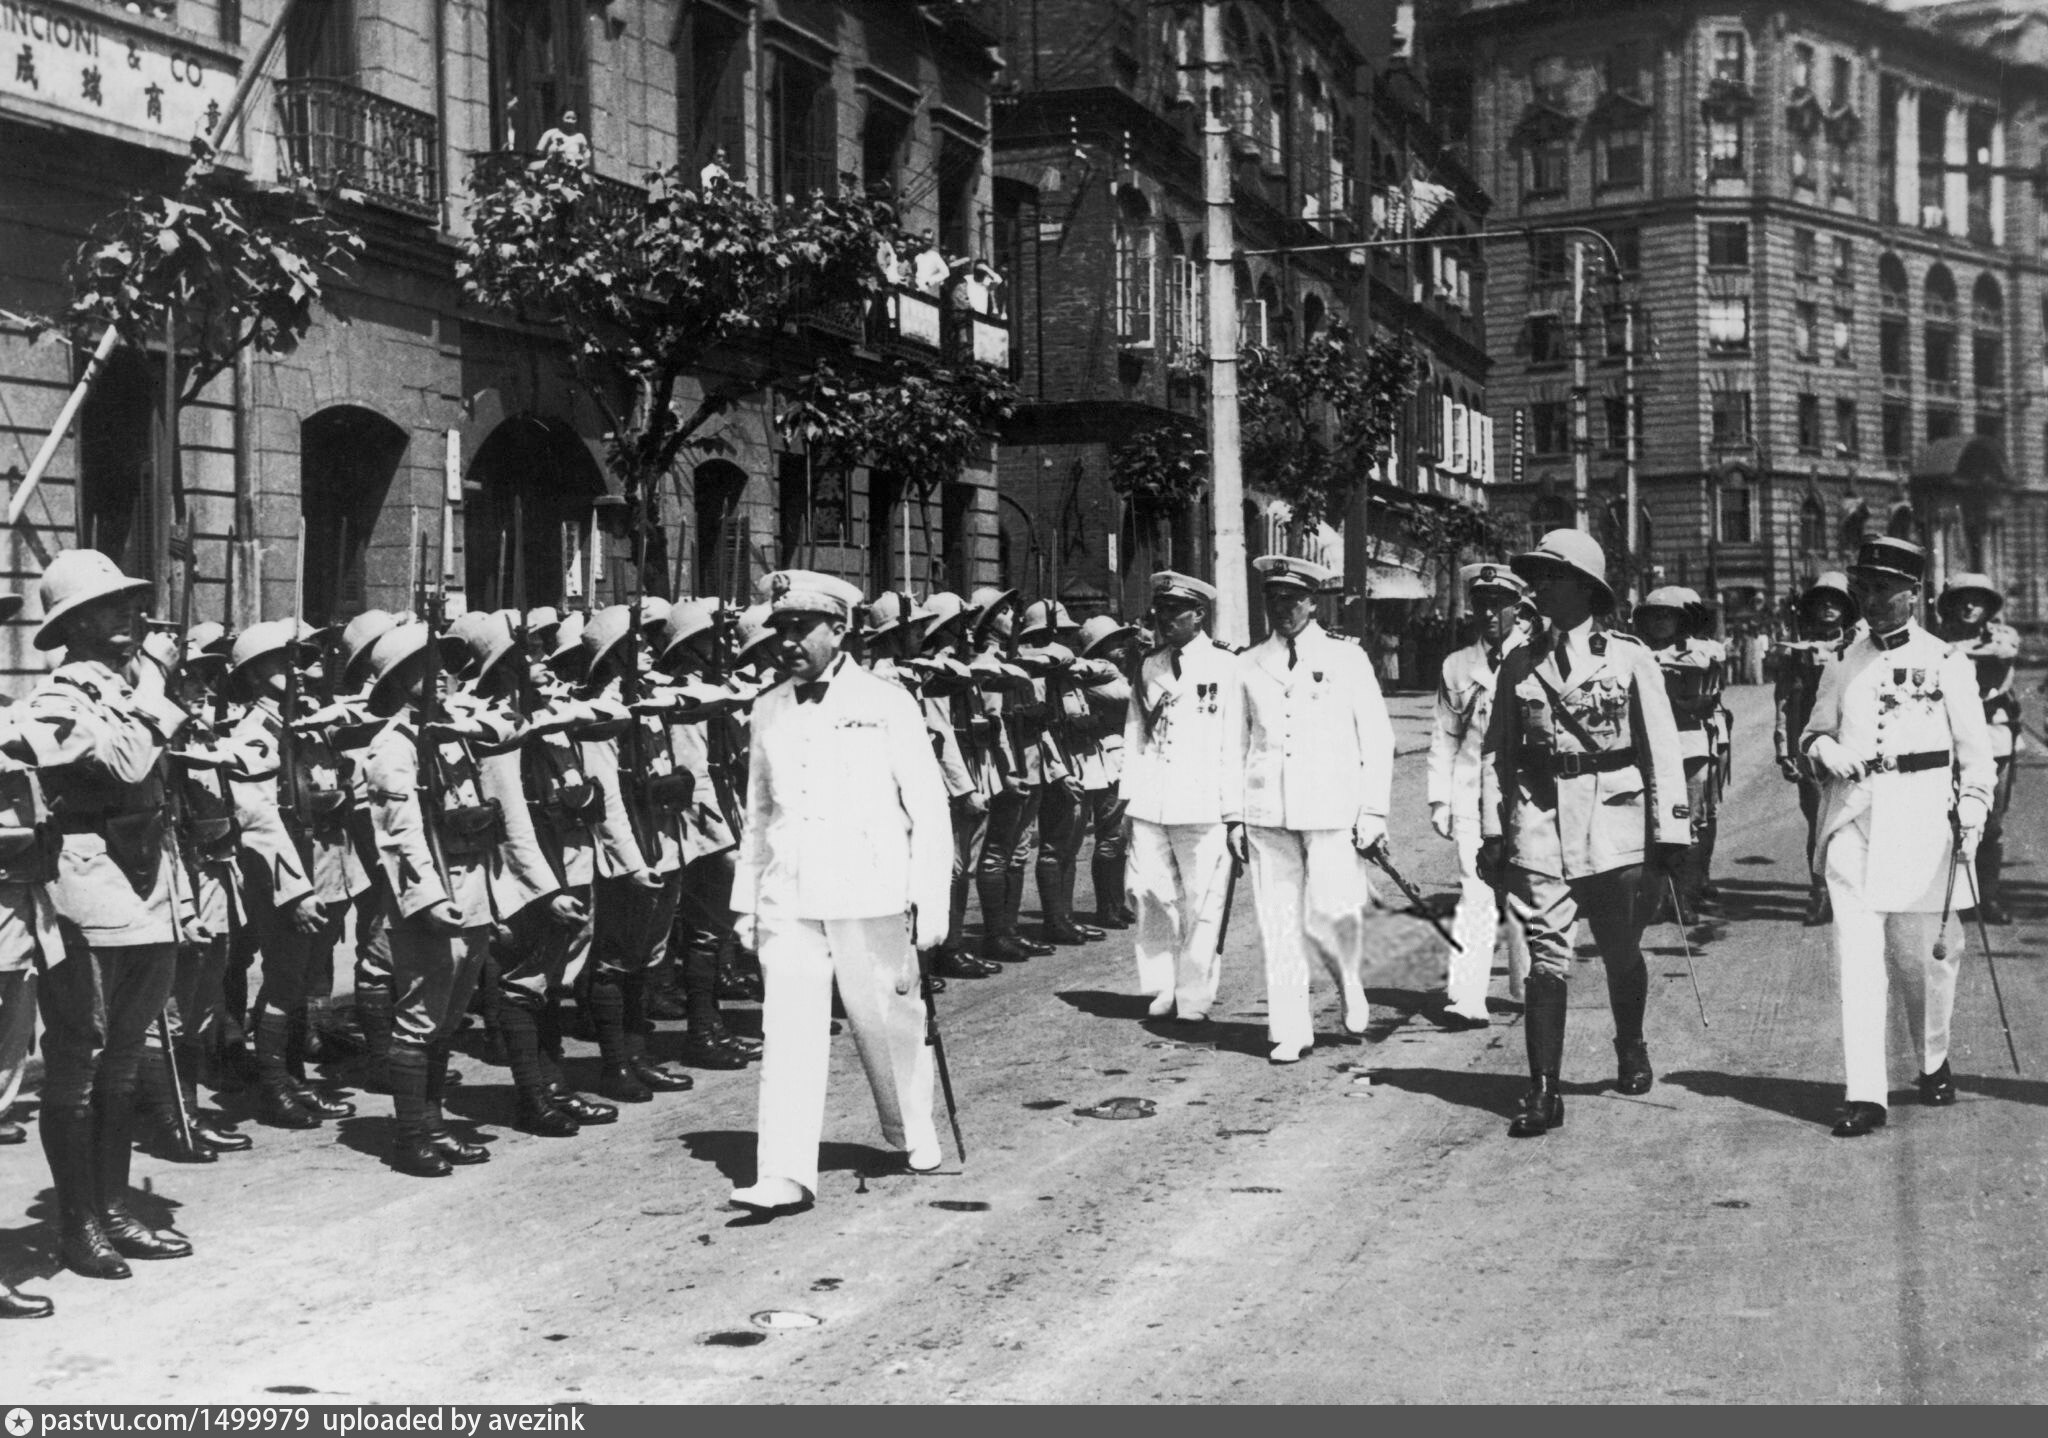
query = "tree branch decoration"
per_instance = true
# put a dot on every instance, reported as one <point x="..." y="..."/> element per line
<point x="1160" y="471"/>
<point x="1317" y="419"/>
<point x="644" y="287"/>
<point x="920" y="425"/>
<point x="192" y="261"/>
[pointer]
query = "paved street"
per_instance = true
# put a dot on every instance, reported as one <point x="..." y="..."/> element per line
<point x="1355" y="1228"/>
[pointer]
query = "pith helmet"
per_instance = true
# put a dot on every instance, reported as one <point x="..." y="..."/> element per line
<point x="753" y="631"/>
<point x="357" y="638"/>
<point x="941" y="613"/>
<point x="1675" y="597"/>
<point x="1101" y="631"/>
<point x="489" y="638"/>
<point x="1975" y="585"/>
<point x="1832" y="582"/>
<point x="687" y="618"/>
<point x="1574" y="552"/>
<point x="76" y="578"/>
<point x="269" y="637"/>
<point x="605" y="631"/>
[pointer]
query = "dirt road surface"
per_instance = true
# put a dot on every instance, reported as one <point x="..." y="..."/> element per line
<point x="1355" y="1228"/>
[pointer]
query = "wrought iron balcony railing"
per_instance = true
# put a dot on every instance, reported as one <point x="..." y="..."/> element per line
<point x="612" y="201"/>
<point x="339" y="135"/>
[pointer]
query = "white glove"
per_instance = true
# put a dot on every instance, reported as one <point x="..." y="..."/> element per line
<point x="1972" y="814"/>
<point x="1837" y="761"/>
<point x="1440" y="820"/>
<point x="930" y="929"/>
<point x="1369" y="832"/>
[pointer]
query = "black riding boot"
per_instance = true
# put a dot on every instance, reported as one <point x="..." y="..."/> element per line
<point x="82" y="1241"/>
<point x="607" y="1002"/>
<point x="1013" y="908"/>
<point x="998" y="921"/>
<point x="445" y="1143"/>
<point x="277" y="1096"/>
<point x="1111" y="911"/>
<point x="1628" y="993"/>
<point x="1543" y="1011"/>
<point x="538" y="1113"/>
<point x="157" y="1098"/>
<point x="412" y="1147"/>
<point x="633" y="988"/>
<point x="113" y="1120"/>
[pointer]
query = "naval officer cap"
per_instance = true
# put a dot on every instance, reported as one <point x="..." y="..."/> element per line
<point x="1572" y="552"/>
<point x="1887" y="558"/>
<point x="1496" y="577"/>
<point x="1972" y="586"/>
<point x="1168" y="584"/>
<point x="805" y="591"/>
<point x="1278" y="569"/>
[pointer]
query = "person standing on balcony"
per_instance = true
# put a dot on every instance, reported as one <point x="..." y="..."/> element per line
<point x="567" y="140"/>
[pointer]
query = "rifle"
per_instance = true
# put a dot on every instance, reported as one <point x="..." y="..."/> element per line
<point x="633" y="786"/>
<point x="290" y="785"/>
<point x="174" y="804"/>
<point x="935" y="1042"/>
<point x="718" y="736"/>
<point x="227" y="611"/>
<point x="432" y="607"/>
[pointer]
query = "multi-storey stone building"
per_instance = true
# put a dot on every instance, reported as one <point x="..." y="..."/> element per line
<point x="392" y="105"/>
<point x="1841" y="287"/>
<point x="1101" y="228"/>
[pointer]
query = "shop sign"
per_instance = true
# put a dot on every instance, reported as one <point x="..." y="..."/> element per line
<point x="76" y="62"/>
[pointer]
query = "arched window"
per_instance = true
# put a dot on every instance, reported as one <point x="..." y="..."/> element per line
<point x="527" y="525"/>
<point x="1939" y="335"/>
<point x="348" y="458"/>
<point x="1987" y="339"/>
<point x="1891" y="283"/>
<point x="1940" y="290"/>
<point x="1311" y="317"/>
<point x="1135" y="280"/>
<point x="1813" y="527"/>
<point x="1987" y="303"/>
<point x="722" y="548"/>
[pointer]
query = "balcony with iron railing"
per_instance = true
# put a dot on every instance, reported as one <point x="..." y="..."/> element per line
<point x="614" y="202"/>
<point x="1940" y="311"/>
<point x="339" y="135"/>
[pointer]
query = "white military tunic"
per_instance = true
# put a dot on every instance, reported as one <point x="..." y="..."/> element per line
<point x="1176" y="755"/>
<point x="1315" y="755"/>
<point x="1906" y="706"/>
<point x="848" y="832"/>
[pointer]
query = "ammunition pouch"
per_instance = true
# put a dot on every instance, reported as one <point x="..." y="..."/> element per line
<point x="135" y="842"/>
<point x="322" y="812"/>
<point x="672" y="793"/>
<point x="472" y="830"/>
<point x="574" y="805"/>
<point x="29" y="856"/>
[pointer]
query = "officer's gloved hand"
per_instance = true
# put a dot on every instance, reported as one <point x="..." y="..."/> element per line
<point x="1835" y="760"/>
<point x="1238" y="839"/>
<point x="1440" y="820"/>
<point x="1369" y="834"/>
<point x="1972" y="814"/>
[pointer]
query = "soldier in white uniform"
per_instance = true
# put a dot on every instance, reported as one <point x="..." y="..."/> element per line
<point x="1177" y="758"/>
<point x="1691" y="668"/>
<point x="1969" y="604"/>
<point x="1898" y="736"/>
<point x="845" y="861"/>
<point x="1464" y="705"/>
<point x="1581" y="786"/>
<point x="1306" y="798"/>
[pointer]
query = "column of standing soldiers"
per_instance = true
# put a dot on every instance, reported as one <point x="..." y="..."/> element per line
<point x="513" y="810"/>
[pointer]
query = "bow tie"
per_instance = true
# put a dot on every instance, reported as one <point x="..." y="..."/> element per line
<point x="810" y="692"/>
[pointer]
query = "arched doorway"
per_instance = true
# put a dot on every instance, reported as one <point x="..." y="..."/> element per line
<point x="722" y="535"/>
<point x="119" y="434"/>
<point x="526" y="530"/>
<point x="347" y="459"/>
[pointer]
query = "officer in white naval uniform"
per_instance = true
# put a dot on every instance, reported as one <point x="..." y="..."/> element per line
<point x="1464" y="704"/>
<point x="1307" y="798"/>
<point x="845" y="860"/>
<point x="1176" y="756"/>
<point x="1898" y="736"/>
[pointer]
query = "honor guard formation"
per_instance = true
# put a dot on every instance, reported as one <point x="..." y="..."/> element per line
<point x="580" y="823"/>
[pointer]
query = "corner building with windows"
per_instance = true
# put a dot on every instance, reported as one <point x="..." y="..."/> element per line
<point x="1841" y="292"/>
<point x="389" y="107"/>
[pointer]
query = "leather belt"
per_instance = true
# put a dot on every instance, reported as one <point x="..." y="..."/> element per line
<point x="1571" y="766"/>
<point x="1912" y="763"/>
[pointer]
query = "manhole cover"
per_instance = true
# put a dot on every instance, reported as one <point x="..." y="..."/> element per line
<point x="959" y="1205"/>
<point x="732" y="1338"/>
<point x="785" y="1318"/>
<point x="1118" y="1108"/>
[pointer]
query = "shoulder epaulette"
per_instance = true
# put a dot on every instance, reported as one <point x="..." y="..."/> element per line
<point x="1624" y="636"/>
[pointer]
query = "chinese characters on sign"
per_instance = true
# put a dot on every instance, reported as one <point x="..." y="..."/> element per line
<point x="91" y="63"/>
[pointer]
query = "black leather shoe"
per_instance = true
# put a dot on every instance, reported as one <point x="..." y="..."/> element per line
<point x="1820" y="909"/>
<point x="280" y="1108"/>
<point x="662" y="1080"/>
<point x="1005" y="948"/>
<point x="87" y="1251"/>
<point x="12" y="1132"/>
<point x="24" y="1305"/>
<point x="1541" y="1111"/>
<point x="455" y="1150"/>
<point x="132" y="1238"/>
<point x="704" y="1051"/>
<point x="1067" y="935"/>
<point x="1859" y="1119"/>
<point x="958" y="964"/>
<point x="621" y="1084"/>
<point x="322" y="1105"/>
<point x="1938" y="1089"/>
<point x="1991" y="911"/>
<point x="539" y="1115"/>
<point x="1033" y="949"/>
<point x="414" y="1153"/>
<point x="583" y="1110"/>
<point x="1634" y="1063"/>
<point x="746" y="1045"/>
<point x="219" y="1136"/>
<point x="167" y="1142"/>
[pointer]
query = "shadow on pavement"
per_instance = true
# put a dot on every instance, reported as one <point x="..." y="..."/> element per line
<point x="731" y="1151"/>
<point x="29" y="1253"/>
<point x="1100" y="1004"/>
<point x="1493" y="1093"/>
<point x="1808" y="1100"/>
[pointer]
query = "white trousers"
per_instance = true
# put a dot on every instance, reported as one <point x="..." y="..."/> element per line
<point x="1874" y="949"/>
<point x="1177" y="876"/>
<point x="800" y="960"/>
<point x="1312" y="893"/>
<point x="1477" y="926"/>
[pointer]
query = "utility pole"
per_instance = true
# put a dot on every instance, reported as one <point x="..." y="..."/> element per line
<point x="1582" y="437"/>
<point x="1633" y="501"/>
<point x="1226" y="479"/>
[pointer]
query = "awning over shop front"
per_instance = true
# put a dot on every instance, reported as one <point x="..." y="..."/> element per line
<point x="1967" y="461"/>
<point x="1390" y="581"/>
